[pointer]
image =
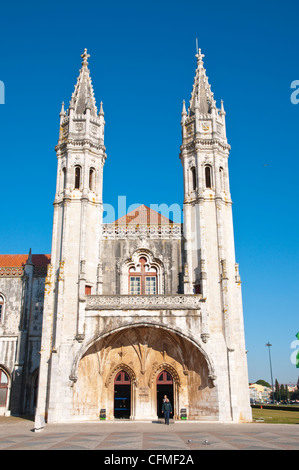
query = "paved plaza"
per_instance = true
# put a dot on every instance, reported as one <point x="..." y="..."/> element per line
<point x="19" y="434"/>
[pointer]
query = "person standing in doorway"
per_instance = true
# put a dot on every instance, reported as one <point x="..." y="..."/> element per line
<point x="167" y="410"/>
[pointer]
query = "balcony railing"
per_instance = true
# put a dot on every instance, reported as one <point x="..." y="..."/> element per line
<point x="144" y="302"/>
<point x="113" y="231"/>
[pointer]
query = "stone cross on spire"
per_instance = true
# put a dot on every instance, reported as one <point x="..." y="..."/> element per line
<point x="199" y="55"/>
<point x="201" y="96"/>
<point x="85" y="56"/>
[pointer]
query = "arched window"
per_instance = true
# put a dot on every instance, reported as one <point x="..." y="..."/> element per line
<point x="143" y="279"/>
<point x="208" y="176"/>
<point x="142" y="273"/>
<point x="122" y="378"/>
<point x="91" y="179"/>
<point x="3" y="387"/>
<point x="221" y="177"/>
<point x="63" y="178"/>
<point x="2" y="305"/>
<point x="165" y="378"/>
<point x="193" y="173"/>
<point x="77" y="177"/>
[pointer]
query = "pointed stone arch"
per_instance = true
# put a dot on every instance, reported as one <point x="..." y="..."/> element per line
<point x="142" y="356"/>
<point x="5" y="384"/>
<point x="157" y="368"/>
<point x="95" y="339"/>
<point x="118" y="368"/>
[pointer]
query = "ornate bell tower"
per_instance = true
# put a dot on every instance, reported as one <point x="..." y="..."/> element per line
<point x="210" y="266"/>
<point x="204" y="156"/>
<point x="75" y="259"/>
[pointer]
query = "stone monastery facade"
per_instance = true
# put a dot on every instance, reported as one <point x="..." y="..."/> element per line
<point x="121" y="314"/>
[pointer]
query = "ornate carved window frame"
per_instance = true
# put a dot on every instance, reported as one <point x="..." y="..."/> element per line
<point x="133" y="262"/>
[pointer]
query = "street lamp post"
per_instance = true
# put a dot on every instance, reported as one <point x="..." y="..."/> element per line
<point x="269" y="345"/>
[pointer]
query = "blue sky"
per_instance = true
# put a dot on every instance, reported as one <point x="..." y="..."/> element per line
<point x="142" y="65"/>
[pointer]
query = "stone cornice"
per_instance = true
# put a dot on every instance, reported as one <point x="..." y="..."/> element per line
<point x="198" y="143"/>
<point x="199" y="199"/>
<point x="88" y="198"/>
<point x="87" y="143"/>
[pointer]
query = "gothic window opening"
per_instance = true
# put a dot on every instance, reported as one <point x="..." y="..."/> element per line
<point x="77" y="177"/>
<point x="221" y="179"/>
<point x="208" y="176"/>
<point x="143" y="279"/>
<point x="193" y="173"/>
<point x="64" y="178"/>
<point x="3" y="388"/>
<point x="91" y="179"/>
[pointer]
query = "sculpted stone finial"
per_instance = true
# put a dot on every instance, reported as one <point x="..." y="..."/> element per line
<point x="85" y="56"/>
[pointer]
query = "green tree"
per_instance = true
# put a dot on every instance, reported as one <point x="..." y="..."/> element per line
<point x="282" y="393"/>
<point x="277" y="390"/>
<point x="263" y="383"/>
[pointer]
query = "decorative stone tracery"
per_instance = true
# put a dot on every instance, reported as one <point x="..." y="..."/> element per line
<point x="121" y="302"/>
<point x="163" y="366"/>
<point x="116" y="369"/>
<point x="143" y="352"/>
<point x="133" y="262"/>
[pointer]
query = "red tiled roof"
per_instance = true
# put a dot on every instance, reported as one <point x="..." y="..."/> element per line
<point x="11" y="261"/>
<point x="143" y="215"/>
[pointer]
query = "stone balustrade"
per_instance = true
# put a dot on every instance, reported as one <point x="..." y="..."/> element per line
<point x="146" y="302"/>
<point x="114" y="231"/>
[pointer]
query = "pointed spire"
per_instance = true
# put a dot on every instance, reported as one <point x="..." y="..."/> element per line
<point x="201" y="96"/>
<point x="62" y="112"/>
<point x="29" y="260"/>
<point x="101" y="112"/>
<point x="184" y="117"/>
<point x="222" y="112"/>
<point x="72" y="102"/>
<point x="83" y="96"/>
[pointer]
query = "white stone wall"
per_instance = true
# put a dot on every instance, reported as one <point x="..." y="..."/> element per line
<point x="20" y="337"/>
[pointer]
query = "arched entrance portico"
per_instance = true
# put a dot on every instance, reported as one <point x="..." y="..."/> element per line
<point x="146" y="354"/>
